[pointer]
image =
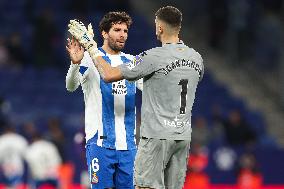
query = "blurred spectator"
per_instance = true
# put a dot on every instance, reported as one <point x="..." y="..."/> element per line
<point x="81" y="174"/>
<point x="43" y="161"/>
<point x="66" y="175"/>
<point x="269" y="37"/>
<point x="197" y="180"/>
<point x="45" y="39"/>
<point x="4" y="54"/>
<point x="15" y="49"/>
<point x="55" y="135"/>
<point x="237" y="130"/>
<point x="28" y="130"/>
<point x="79" y="142"/>
<point x="249" y="175"/>
<point x="225" y="158"/>
<point x="198" y="158"/>
<point x="200" y="133"/>
<point x="4" y="111"/>
<point x="237" y="35"/>
<point x="196" y="177"/>
<point x="12" y="148"/>
<point x="218" y="15"/>
<point x="217" y="132"/>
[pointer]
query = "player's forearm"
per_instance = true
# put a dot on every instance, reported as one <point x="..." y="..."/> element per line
<point x="107" y="72"/>
<point x="72" y="79"/>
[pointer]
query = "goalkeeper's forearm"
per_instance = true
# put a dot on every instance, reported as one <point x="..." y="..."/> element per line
<point x="107" y="72"/>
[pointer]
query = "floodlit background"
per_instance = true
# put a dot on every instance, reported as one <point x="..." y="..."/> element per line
<point x="238" y="114"/>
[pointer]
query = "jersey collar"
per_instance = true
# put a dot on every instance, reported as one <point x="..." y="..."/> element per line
<point x="102" y="50"/>
<point x="105" y="53"/>
<point x="179" y="43"/>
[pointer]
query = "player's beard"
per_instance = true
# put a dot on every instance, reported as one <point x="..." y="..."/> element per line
<point x="112" y="44"/>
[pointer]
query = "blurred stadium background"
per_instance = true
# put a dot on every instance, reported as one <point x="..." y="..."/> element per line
<point x="238" y="115"/>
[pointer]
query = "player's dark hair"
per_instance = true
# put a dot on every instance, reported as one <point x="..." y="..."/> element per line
<point x="170" y="15"/>
<point x="114" y="18"/>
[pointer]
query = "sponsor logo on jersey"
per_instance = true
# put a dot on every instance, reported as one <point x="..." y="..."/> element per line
<point x="176" y="123"/>
<point x="119" y="88"/>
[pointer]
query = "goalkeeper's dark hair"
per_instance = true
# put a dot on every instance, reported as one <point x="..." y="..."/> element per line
<point x="114" y="18"/>
<point x="170" y="15"/>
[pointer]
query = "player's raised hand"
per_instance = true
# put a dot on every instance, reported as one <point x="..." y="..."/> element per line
<point x="90" y="31"/>
<point x="84" y="36"/>
<point x="75" y="50"/>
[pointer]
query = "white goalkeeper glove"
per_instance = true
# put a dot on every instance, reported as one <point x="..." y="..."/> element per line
<point x="84" y="36"/>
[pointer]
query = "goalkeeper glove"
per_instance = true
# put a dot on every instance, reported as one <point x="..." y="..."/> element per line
<point x="84" y="36"/>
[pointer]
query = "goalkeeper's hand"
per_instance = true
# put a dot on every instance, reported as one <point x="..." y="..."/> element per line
<point x="84" y="36"/>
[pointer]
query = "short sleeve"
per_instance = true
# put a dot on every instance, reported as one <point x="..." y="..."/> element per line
<point x="142" y="65"/>
<point x="202" y="67"/>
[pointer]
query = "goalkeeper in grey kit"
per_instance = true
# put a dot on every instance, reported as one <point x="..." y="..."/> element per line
<point x="171" y="74"/>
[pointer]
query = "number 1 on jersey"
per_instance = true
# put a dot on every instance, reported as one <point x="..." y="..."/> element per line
<point x="183" y="83"/>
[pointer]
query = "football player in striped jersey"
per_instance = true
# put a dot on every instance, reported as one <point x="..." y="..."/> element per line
<point x="110" y="115"/>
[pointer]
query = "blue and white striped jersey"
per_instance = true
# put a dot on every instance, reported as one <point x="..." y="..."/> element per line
<point x="110" y="118"/>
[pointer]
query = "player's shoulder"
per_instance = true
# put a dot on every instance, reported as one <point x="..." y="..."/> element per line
<point x="41" y="143"/>
<point x="15" y="137"/>
<point x="128" y="56"/>
<point x="194" y="53"/>
<point x="20" y="138"/>
<point x="87" y="60"/>
<point x="154" y="52"/>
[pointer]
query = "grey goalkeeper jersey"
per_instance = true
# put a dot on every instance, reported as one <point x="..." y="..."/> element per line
<point x="171" y="74"/>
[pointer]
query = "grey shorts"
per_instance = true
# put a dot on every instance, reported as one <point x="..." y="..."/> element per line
<point x="161" y="164"/>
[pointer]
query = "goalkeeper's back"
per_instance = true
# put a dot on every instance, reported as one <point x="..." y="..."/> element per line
<point x="169" y="92"/>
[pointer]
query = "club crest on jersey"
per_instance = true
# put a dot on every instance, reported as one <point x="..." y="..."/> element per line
<point x="119" y="88"/>
<point x="95" y="178"/>
<point x="137" y="60"/>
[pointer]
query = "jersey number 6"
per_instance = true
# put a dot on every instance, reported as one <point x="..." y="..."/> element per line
<point x="95" y="165"/>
